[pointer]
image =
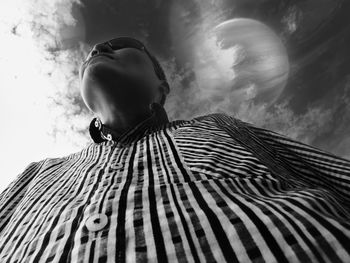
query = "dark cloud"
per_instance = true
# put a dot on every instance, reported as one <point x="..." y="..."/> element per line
<point x="313" y="108"/>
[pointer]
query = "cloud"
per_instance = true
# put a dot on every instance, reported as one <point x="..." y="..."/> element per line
<point x="291" y="19"/>
<point x="196" y="100"/>
<point x="336" y="137"/>
<point x="322" y="125"/>
<point x="319" y="126"/>
<point x="34" y="67"/>
<point x="210" y="87"/>
<point x="59" y="37"/>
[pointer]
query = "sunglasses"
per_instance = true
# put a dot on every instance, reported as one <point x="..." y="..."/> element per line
<point x="125" y="42"/>
<point x="121" y="42"/>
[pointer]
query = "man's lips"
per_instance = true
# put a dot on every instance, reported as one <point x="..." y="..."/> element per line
<point x="99" y="55"/>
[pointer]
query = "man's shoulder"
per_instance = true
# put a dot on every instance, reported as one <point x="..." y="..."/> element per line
<point x="64" y="157"/>
<point x="215" y="116"/>
<point x="223" y="120"/>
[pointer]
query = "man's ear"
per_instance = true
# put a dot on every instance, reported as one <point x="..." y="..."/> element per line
<point x="164" y="90"/>
<point x="164" y="87"/>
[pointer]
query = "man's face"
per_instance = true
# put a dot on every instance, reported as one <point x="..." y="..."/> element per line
<point x="121" y="77"/>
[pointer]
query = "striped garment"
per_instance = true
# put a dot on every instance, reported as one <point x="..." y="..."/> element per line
<point x="209" y="189"/>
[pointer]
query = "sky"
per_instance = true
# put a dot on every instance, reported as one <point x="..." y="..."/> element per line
<point x="44" y="42"/>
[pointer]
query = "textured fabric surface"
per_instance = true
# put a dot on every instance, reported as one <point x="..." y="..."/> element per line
<point x="210" y="189"/>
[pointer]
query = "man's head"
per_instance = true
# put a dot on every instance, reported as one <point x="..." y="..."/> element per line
<point x="121" y="73"/>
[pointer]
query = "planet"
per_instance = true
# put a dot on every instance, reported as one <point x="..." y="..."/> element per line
<point x="260" y="64"/>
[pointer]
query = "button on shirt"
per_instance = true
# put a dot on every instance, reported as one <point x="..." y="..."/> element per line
<point x="182" y="191"/>
<point x="96" y="222"/>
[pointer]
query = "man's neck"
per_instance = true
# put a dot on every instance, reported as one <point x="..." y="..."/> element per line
<point x="121" y="121"/>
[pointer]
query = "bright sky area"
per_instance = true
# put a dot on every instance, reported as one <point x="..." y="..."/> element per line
<point x="25" y="111"/>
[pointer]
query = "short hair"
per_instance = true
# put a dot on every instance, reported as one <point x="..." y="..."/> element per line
<point x="159" y="72"/>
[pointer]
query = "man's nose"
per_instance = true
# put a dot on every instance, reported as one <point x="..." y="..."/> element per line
<point x="98" y="48"/>
<point x="101" y="47"/>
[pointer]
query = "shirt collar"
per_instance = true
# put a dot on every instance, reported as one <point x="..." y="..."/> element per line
<point x="101" y="133"/>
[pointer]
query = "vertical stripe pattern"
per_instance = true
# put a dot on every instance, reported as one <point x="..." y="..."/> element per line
<point x="210" y="189"/>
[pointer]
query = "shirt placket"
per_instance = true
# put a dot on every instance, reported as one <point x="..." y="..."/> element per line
<point x="99" y="221"/>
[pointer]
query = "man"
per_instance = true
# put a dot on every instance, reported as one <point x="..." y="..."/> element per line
<point x="210" y="189"/>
